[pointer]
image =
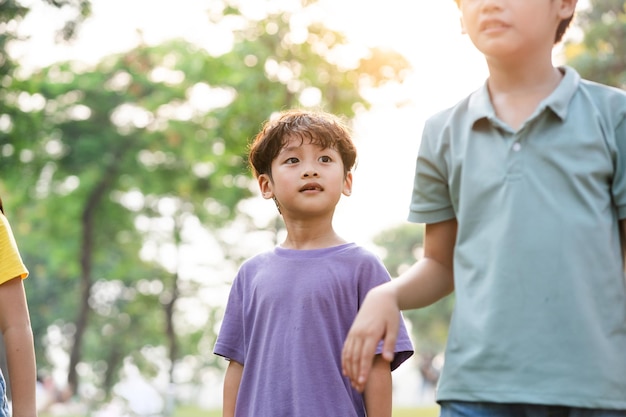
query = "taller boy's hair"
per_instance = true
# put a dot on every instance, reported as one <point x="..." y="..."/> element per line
<point x="560" y="30"/>
<point x="316" y="127"/>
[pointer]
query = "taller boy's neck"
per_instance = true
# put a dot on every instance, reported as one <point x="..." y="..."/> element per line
<point x="515" y="96"/>
<point x="528" y="79"/>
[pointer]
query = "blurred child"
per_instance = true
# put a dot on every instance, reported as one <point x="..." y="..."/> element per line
<point x="290" y="308"/>
<point x="16" y="330"/>
<point x="522" y="186"/>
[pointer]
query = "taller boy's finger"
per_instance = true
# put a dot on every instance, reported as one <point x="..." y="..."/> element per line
<point x="353" y="351"/>
<point x="364" y="362"/>
<point x="350" y="354"/>
<point x="389" y="342"/>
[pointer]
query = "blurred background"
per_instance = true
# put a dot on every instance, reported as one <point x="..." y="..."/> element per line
<point x="124" y="127"/>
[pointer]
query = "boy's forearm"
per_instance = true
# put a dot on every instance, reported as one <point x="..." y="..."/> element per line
<point x="431" y="278"/>
<point x="378" y="390"/>
<point x="22" y="370"/>
<point x="19" y="346"/>
<point x="424" y="283"/>
<point x="232" y="380"/>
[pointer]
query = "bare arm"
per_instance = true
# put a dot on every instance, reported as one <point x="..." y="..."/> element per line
<point x="18" y="340"/>
<point x="378" y="390"/>
<point x="427" y="281"/>
<point x="232" y="379"/>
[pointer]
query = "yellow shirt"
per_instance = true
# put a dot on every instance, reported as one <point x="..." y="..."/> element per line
<point x="11" y="265"/>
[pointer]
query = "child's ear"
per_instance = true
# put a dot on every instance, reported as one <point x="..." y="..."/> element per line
<point x="568" y="8"/>
<point x="265" y="185"/>
<point x="347" y="184"/>
<point x="462" y="24"/>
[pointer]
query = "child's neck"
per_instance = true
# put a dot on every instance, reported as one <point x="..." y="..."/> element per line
<point x="516" y="92"/>
<point x="305" y="235"/>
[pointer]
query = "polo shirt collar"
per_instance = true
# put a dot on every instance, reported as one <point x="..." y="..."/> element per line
<point x="560" y="98"/>
<point x="480" y="106"/>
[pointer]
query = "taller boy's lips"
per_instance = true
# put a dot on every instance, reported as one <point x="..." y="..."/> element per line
<point x="312" y="186"/>
<point x="492" y="25"/>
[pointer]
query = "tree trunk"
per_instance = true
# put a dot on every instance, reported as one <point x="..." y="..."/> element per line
<point x="170" y="329"/>
<point x="87" y="248"/>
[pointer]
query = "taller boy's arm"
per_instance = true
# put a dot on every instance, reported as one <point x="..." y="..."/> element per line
<point x="427" y="281"/>
<point x="18" y="339"/>
<point x="378" y="390"/>
<point x="232" y="379"/>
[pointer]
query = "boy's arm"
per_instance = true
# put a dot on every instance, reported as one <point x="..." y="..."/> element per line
<point x="378" y="390"/>
<point x="18" y="339"/>
<point x="232" y="379"/>
<point x="427" y="281"/>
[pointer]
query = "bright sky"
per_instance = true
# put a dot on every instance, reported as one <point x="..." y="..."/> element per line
<point x="446" y="68"/>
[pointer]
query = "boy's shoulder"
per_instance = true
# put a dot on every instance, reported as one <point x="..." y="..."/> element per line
<point x="613" y="97"/>
<point x="259" y="258"/>
<point x="607" y="103"/>
<point x="601" y="88"/>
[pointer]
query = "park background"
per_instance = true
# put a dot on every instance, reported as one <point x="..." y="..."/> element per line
<point x="123" y="133"/>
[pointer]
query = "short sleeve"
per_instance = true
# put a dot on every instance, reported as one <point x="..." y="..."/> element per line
<point x="430" y="201"/>
<point x="11" y="265"/>
<point x="229" y="342"/>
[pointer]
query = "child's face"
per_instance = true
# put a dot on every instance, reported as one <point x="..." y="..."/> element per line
<point x="306" y="179"/>
<point x="514" y="29"/>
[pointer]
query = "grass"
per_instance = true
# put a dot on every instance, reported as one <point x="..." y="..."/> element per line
<point x="432" y="411"/>
<point x="187" y="411"/>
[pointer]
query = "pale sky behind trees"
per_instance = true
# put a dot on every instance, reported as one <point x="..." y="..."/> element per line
<point x="446" y="67"/>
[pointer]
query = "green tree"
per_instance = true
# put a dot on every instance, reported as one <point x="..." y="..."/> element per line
<point x="601" y="55"/>
<point x="78" y="11"/>
<point x="16" y="123"/>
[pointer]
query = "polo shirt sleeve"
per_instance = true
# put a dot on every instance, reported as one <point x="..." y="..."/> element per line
<point x="431" y="202"/>
<point x="618" y="187"/>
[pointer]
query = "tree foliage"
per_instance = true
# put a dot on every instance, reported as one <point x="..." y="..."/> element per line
<point x="601" y="55"/>
<point x="102" y="165"/>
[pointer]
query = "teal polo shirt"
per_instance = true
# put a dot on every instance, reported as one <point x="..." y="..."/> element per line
<point x="540" y="313"/>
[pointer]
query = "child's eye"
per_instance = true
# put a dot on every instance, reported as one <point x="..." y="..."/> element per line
<point x="325" y="158"/>
<point x="292" y="160"/>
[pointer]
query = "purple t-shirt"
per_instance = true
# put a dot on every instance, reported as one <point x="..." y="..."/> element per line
<point x="287" y="316"/>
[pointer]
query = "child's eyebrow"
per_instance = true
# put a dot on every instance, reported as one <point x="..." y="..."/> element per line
<point x="289" y="149"/>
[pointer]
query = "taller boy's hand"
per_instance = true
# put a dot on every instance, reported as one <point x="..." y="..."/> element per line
<point x="378" y="319"/>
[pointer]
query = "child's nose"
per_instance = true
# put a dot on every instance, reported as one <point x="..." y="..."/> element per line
<point x="309" y="172"/>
